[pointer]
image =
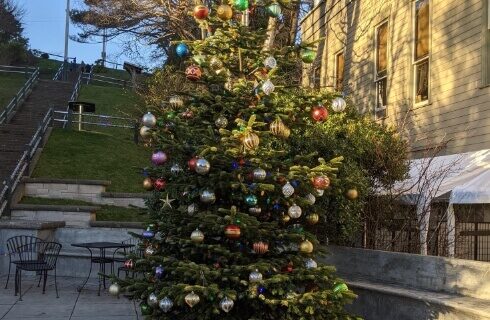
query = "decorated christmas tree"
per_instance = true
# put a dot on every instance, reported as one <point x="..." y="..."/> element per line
<point x="234" y="202"/>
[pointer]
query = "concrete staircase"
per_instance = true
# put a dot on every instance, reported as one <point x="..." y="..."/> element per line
<point x="18" y="132"/>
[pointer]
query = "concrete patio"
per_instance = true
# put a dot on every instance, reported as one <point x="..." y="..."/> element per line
<point x="71" y="304"/>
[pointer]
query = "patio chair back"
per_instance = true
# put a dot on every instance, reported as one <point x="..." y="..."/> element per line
<point x="14" y="243"/>
<point x="40" y="255"/>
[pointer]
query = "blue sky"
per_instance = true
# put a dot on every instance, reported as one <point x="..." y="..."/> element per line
<point x="44" y="25"/>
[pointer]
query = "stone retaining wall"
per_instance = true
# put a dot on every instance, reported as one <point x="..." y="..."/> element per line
<point x="73" y="216"/>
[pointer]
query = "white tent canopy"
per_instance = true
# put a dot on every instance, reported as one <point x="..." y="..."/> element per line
<point x="465" y="176"/>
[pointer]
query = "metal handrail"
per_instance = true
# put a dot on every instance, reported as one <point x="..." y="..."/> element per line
<point x="23" y="164"/>
<point x="110" y="80"/>
<point x="19" y="97"/>
<point x="59" y="72"/>
<point x="74" y="95"/>
<point x="16" y="69"/>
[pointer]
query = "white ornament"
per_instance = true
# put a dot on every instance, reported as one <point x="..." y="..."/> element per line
<point x="192" y="299"/>
<point x="208" y="196"/>
<point x="287" y="190"/>
<point x="176" y="169"/>
<point x="255" y="210"/>
<point x="319" y="192"/>
<point x="255" y="276"/>
<point x="310" y="264"/>
<point x="270" y="62"/>
<point x="176" y="101"/>
<point x="145" y="132"/>
<point x="152" y="299"/>
<point x="310" y="199"/>
<point x="202" y="166"/>
<point x="295" y="211"/>
<point x="149" y="120"/>
<point x="226" y="304"/>
<point x="259" y="174"/>
<point x="338" y="104"/>
<point x="268" y="87"/>
<point x="197" y="236"/>
<point x="115" y="289"/>
<point x="192" y="208"/>
<point x="166" y="304"/>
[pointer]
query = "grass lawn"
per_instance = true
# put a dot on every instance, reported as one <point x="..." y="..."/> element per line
<point x="47" y="67"/>
<point x="106" y="213"/>
<point x="10" y="84"/>
<point x="111" y="100"/>
<point x="115" y="73"/>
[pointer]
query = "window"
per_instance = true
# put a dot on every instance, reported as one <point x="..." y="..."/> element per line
<point x="486" y="45"/>
<point x="381" y="76"/>
<point x="421" y="51"/>
<point x="339" y="71"/>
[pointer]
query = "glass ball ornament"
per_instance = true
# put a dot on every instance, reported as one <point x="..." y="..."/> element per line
<point x="193" y="73"/>
<point x="192" y="209"/>
<point x="308" y="55"/>
<point x="197" y="236"/>
<point x="338" y="104"/>
<point x="148" y="233"/>
<point x="166" y="304"/>
<point x="129" y="264"/>
<point x="321" y="182"/>
<point x="207" y="196"/>
<point x="306" y="246"/>
<point x="251" y="200"/>
<point x="251" y="141"/>
<point x="268" y="87"/>
<point x="279" y="129"/>
<point x="149" y="120"/>
<point x="312" y="218"/>
<point x="260" y="289"/>
<point x="270" y="62"/>
<point x="159" y="272"/>
<point x="255" y="210"/>
<point x="287" y="190"/>
<point x="226" y="304"/>
<point x="310" y="264"/>
<point x="191" y="164"/>
<point x="352" y="194"/>
<point x="175" y="169"/>
<point x="285" y="218"/>
<point x="260" y="247"/>
<point x="159" y="158"/>
<point x="148" y="184"/>
<point x="192" y="299"/>
<point x="241" y="5"/>
<point x="224" y="12"/>
<point x="202" y="166"/>
<point x="152" y="300"/>
<point x="114" y="289"/>
<point x="259" y="174"/>
<point x="201" y="12"/>
<point x="232" y="231"/>
<point x="145" y="132"/>
<point x="310" y="199"/>
<point x="176" y="101"/>
<point x="274" y="10"/>
<point x="160" y="184"/>
<point x="319" y="113"/>
<point x="255" y="276"/>
<point x="340" y="287"/>
<point x="221" y="122"/>
<point x="182" y="50"/>
<point x="149" y="251"/>
<point x="295" y="211"/>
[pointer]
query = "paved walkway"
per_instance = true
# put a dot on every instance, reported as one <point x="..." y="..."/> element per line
<point x="71" y="304"/>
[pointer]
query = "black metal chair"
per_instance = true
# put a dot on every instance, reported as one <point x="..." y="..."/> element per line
<point x="13" y="244"/>
<point x="121" y="255"/>
<point x="37" y="257"/>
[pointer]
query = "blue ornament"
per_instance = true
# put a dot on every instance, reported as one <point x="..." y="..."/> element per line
<point x="252" y="186"/>
<point x="159" y="272"/>
<point x="182" y="50"/>
<point x="148" y="234"/>
<point x="235" y="165"/>
<point x="145" y="173"/>
<point x="260" y="289"/>
<point x="295" y="183"/>
<point x="276" y="207"/>
<point x="251" y="200"/>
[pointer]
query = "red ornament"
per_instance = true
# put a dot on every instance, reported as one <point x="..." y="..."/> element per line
<point x="288" y="268"/>
<point x="129" y="264"/>
<point x="192" y="164"/>
<point x="319" y="113"/>
<point x="232" y="231"/>
<point x="201" y="12"/>
<point x="160" y="184"/>
<point x="193" y="73"/>
<point x="261" y="247"/>
<point x="187" y="114"/>
<point x="321" y="182"/>
<point x="241" y="162"/>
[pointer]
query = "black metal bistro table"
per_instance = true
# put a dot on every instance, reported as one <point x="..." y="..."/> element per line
<point x="102" y="260"/>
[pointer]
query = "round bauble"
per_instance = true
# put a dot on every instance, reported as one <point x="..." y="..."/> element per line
<point x="152" y="299"/>
<point x="251" y="141"/>
<point x="294" y="211"/>
<point x="208" y="196"/>
<point x="279" y="129"/>
<point x="148" y="233"/>
<point x="268" y="87"/>
<point x="129" y="264"/>
<point x="149" y="120"/>
<point x="288" y="268"/>
<point x="148" y="184"/>
<point x="352" y="194"/>
<point x="321" y="182"/>
<point x="274" y="10"/>
<point x="308" y="55"/>
<point x="340" y="287"/>
<point x="182" y="50"/>
<point x="285" y="218"/>
<point x="159" y="272"/>
<point x="240" y="5"/>
<point x="260" y="247"/>
<point x="255" y="276"/>
<point x="202" y="166"/>
<point x="166" y="304"/>
<point x="224" y="12"/>
<point x="115" y="289"/>
<point x="251" y="200"/>
<point x="149" y="251"/>
<point x="176" y="101"/>
<point x="319" y="113"/>
<point x="201" y="12"/>
<point x="255" y="210"/>
<point x="197" y="236"/>
<point x="310" y="264"/>
<point x="192" y="299"/>
<point x="311" y="199"/>
<point x="306" y="246"/>
<point x="158" y="158"/>
<point x="193" y="73"/>
<point x="145" y="132"/>
<point x="175" y="169"/>
<point x="221" y="122"/>
<point x="192" y="209"/>
<point x="259" y="174"/>
<point x="270" y="62"/>
<point x="160" y="184"/>
<point x="338" y="104"/>
<point x="312" y="218"/>
<point x="287" y="190"/>
<point x="226" y="304"/>
<point x="191" y="164"/>
<point x="232" y="231"/>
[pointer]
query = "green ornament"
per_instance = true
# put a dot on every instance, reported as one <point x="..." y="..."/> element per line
<point x="340" y="287"/>
<point x="251" y="200"/>
<point x="145" y="309"/>
<point x="308" y="55"/>
<point x="237" y="221"/>
<point x="241" y="5"/>
<point x="274" y="10"/>
<point x="171" y="115"/>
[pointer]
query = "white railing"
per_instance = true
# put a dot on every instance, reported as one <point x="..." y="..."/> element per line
<point x="59" y="73"/>
<point x="110" y="80"/>
<point x="14" y="69"/>
<point x="19" y="97"/>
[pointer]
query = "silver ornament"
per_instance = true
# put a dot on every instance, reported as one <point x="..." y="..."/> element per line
<point x="255" y="210"/>
<point x="149" y="120"/>
<point x="221" y="122"/>
<point x="226" y="304"/>
<point x="152" y="299"/>
<point x="115" y="289"/>
<point x="259" y="174"/>
<point x="311" y="199"/>
<point x="197" y="236"/>
<point x="338" y="104"/>
<point x="202" y="166"/>
<point x="287" y="190"/>
<point x="192" y="209"/>
<point x="192" y="299"/>
<point x="176" y="169"/>
<point x="310" y="264"/>
<point x="294" y="211"/>
<point x="150" y="250"/>
<point x="319" y="192"/>
<point x="207" y="196"/>
<point x="268" y="87"/>
<point x="270" y="62"/>
<point x="176" y="101"/>
<point x="166" y="304"/>
<point x="255" y="276"/>
<point x="145" y="132"/>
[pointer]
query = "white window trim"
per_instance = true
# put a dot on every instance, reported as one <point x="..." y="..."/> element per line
<point x="419" y="61"/>
<point x="336" y="67"/>
<point x="485" y="52"/>
<point x="377" y="79"/>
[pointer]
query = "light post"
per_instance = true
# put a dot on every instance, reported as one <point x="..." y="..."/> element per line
<point x="67" y="31"/>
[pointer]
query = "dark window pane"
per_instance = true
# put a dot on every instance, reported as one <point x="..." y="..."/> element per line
<point x="339" y="77"/>
<point x="382" y="48"/>
<point x="381" y="99"/>
<point x="422" y="81"/>
<point x="421" y="29"/>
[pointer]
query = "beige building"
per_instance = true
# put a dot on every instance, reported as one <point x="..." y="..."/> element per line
<point x="421" y="65"/>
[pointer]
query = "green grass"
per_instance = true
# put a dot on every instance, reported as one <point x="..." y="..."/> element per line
<point x="10" y="84"/>
<point x="72" y="154"/>
<point x="47" y="67"/>
<point x="111" y="100"/>
<point x="115" y="73"/>
<point x="106" y="213"/>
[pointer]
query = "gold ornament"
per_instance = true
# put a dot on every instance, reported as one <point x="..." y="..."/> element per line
<point x="225" y="12"/>
<point x="192" y="299"/>
<point x="197" y="236"/>
<point x="312" y="218"/>
<point x="251" y="141"/>
<point x="352" y="194"/>
<point x="285" y="218"/>
<point x="148" y="184"/>
<point x="279" y="129"/>
<point x="306" y="247"/>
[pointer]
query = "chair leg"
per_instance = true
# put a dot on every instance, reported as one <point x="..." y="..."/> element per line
<point x="16" y="282"/>
<point x="44" y="282"/>
<point x="55" y="284"/>
<point x="40" y="277"/>
<point x="8" y="276"/>
<point x="20" y="284"/>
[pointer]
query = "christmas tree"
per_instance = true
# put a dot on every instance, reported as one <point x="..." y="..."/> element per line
<point x="234" y="201"/>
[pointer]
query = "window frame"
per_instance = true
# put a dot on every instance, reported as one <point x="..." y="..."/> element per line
<point x="378" y="78"/>
<point x="416" y="62"/>
<point x="337" y="54"/>
<point x="485" y="51"/>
